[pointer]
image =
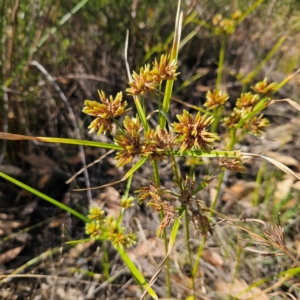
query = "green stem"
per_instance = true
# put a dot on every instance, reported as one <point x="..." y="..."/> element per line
<point x="168" y="274"/>
<point x="174" y="55"/>
<point x="221" y="176"/>
<point x="141" y="112"/>
<point x="215" y="201"/>
<point x="187" y="239"/>
<point x="258" y="183"/>
<point x="199" y="254"/>
<point x="232" y="138"/>
<point x="166" y="103"/>
<point x="216" y="113"/>
<point x="156" y="172"/>
<point x="118" y="124"/>
<point x="221" y="62"/>
<point x="126" y="194"/>
<point x="105" y="262"/>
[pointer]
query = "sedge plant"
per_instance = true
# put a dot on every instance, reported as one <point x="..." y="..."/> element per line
<point x="191" y="135"/>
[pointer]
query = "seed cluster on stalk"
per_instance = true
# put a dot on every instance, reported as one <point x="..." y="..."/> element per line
<point x="189" y="132"/>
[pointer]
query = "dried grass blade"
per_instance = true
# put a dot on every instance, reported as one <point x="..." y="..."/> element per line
<point x="16" y="137"/>
<point x="278" y="164"/>
<point x="290" y="101"/>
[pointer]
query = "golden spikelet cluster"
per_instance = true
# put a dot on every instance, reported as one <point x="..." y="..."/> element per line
<point x="154" y="145"/>
<point x="192" y="132"/>
<point x="101" y="226"/>
<point x="226" y="25"/>
<point x="243" y="115"/>
<point x="104" y="111"/>
<point x="265" y="89"/>
<point x="215" y="99"/>
<point x="130" y="140"/>
<point x="157" y="143"/>
<point x="149" y="78"/>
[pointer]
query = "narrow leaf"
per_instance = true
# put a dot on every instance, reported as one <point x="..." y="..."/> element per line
<point x="276" y="163"/>
<point x="288" y="100"/>
<point x="19" y="137"/>
<point x="44" y="197"/>
<point x="136" y="273"/>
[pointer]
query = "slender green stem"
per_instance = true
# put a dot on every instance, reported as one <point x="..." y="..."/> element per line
<point x="105" y="262"/>
<point x="217" y="114"/>
<point x="128" y="185"/>
<point x="221" y="176"/>
<point x="258" y="183"/>
<point x="199" y="254"/>
<point x="218" y="192"/>
<point x="136" y="273"/>
<point x="166" y="103"/>
<point x="249" y="10"/>
<point x="174" y="55"/>
<point x="218" y="110"/>
<point x="141" y="112"/>
<point x="232" y="141"/>
<point x="221" y="62"/>
<point x="126" y="194"/>
<point x="118" y="124"/>
<point x="248" y="78"/>
<point x="187" y="239"/>
<point x="156" y="172"/>
<point x="168" y="274"/>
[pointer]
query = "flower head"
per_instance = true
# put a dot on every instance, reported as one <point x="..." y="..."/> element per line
<point x="193" y="134"/>
<point x="157" y="143"/>
<point x="165" y="69"/>
<point x="142" y="83"/>
<point x="129" y="140"/>
<point x="247" y="101"/>
<point x="149" y="78"/>
<point x="263" y="88"/>
<point x="258" y="125"/>
<point x="104" y="111"/>
<point x="215" y="99"/>
<point x="233" y="119"/>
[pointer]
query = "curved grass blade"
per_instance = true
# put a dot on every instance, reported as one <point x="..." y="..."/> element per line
<point x="137" y="274"/>
<point x="288" y="100"/>
<point x="44" y="197"/>
<point x="161" y="265"/>
<point x="276" y="163"/>
<point x="19" y="137"/>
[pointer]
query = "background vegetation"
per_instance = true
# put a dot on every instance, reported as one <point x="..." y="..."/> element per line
<point x="79" y="45"/>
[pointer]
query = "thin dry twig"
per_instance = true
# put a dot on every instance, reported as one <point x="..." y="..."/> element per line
<point x="74" y="123"/>
<point x="88" y="166"/>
